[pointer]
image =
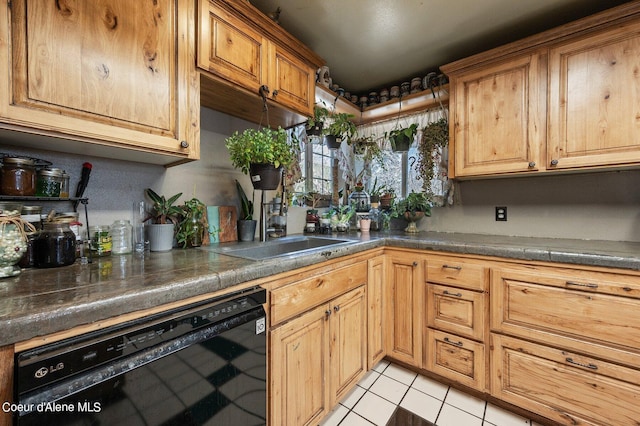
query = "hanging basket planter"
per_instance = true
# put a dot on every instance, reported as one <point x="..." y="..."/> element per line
<point x="400" y="143"/>
<point x="332" y="141"/>
<point x="265" y="176"/>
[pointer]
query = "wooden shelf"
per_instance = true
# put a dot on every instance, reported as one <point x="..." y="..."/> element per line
<point x="415" y="102"/>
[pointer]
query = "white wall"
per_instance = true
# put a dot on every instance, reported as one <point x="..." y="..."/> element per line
<point x="586" y="206"/>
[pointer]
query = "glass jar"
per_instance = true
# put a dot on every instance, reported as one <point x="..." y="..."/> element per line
<point x="49" y="183"/>
<point x="121" y="237"/>
<point x="374" y="215"/>
<point x="101" y="242"/>
<point x="64" y="187"/>
<point x="18" y="177"/>
<point x="13" y="241"/>
<point x="54" y="246"/>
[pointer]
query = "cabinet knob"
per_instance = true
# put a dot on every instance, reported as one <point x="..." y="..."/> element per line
<point x="327" y="313"/>
<point x="554" y="162"/>
<point x="336" y="308"/>
<point x="275" y="93"/>
<point x="184" y="144"/>
<point x="532" y="164"/>
<point x="415" y="263"/>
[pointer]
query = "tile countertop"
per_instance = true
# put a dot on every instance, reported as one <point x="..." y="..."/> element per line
<point x="43" y="301"/>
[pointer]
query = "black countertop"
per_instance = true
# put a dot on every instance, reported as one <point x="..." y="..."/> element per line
<point x="42" y="301"/>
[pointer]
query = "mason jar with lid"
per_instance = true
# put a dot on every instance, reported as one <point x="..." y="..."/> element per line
<point x="121" y="237"/>
<point x="18" y="176"/>
<point x="49" y="183"/>
<point x="54" y="246"/>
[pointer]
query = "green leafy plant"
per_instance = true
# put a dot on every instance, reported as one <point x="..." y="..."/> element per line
<point x="246" y="206"/>
<point x="264" y="146"/>
<point x="164" y="209"/>
<point x="414" y="202"/>
<point x="343" y="213"/>
<point x="435" y="135"/>
<point x="377" y="190"/>
<point x="397" y="135"/>
<point x="320" y="116"/>
<point x="368" y="149"/>
<point x="191" y="226"/>
<point x="341" y="125"/>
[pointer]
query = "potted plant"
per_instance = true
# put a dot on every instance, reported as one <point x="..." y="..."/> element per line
<point x="386" y="198"/>
<point x="402" y="138"/>
<point x="246" y="224"/>
<point x="413" y="207"/>
<point x="376" y="191"/>
<point x="340" y="127"/>
<point x="367" y="149"/>
<point x="165" y="216"/>
<point x="191" y="228"/>
<point x="315" y="124"/>
<point x="261" y="154"/>
<point x="341" y="216"/>
<point x="435" y="136"/>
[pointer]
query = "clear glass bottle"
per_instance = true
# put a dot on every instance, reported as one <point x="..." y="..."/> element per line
<point x="64" y="188"/>
<point x="121" y="237"/>
<point x="374" y="215"/>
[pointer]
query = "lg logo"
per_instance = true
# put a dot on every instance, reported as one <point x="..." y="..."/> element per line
<point x="41" y="372"/>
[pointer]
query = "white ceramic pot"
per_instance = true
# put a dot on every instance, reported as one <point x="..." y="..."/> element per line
<point x="160" y="236"/>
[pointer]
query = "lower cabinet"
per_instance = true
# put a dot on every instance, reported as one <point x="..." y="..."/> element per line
<point x="564" y="386"/>
<point x="316" y="358"/>
<point x="404" y="298"/>
<point x="456" y="358"/>
<point x="376" y="304"/>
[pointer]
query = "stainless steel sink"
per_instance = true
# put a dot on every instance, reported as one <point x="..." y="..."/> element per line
<point x="276" y="248"/>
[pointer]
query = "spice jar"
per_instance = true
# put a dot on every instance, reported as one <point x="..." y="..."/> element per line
<point x="121" y="237"/>
<point x="64" y="186"/>
<point x="54" y="246"/>
<point x="49" y="183"/>
<point x="18" y="176"/>
<point x="101" y="243"/>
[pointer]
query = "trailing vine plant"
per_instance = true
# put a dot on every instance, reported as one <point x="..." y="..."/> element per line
<point x="435" y="135"/>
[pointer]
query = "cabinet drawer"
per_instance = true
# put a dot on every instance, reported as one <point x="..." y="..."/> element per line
<point x="298" y="297"/>
<point x="528" y="304"/>
<point x="457" y="272"/>
<point x="456" y="358"/>
<point x="455" y="310"/>
<point x="567" y="387"/>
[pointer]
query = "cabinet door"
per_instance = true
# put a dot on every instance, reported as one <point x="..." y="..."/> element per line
<point x="594" y="97"/>
<point x="292" y="82"/>
<point x="230" y="48"/>
<point x="299" y="367"/>
<point x="348" y="342"/>
<point x="375" y="321"/>
<point x="498" y="118"/>
<point x="114" y="71"/>
<point x="404" y="308"/>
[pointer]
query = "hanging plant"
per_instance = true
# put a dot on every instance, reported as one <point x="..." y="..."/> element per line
<point x="435" y="136"/>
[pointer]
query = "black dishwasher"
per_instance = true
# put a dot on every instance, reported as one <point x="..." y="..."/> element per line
<point x="200" y="364"/>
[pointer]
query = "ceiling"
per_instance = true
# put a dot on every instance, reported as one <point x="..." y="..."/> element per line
<point x="371" y="44"/>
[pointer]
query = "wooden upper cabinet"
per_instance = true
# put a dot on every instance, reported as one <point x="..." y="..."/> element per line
<point x="240" y="51"/>
<point x="230" y="48"/>
<point x="594" y="100"/>
<point x="568" y="98"/>
<point x="496" y="118"/>
<point x="115" y="72"/>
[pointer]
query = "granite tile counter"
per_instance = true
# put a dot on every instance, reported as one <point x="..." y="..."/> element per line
<point x="43" y="301"/>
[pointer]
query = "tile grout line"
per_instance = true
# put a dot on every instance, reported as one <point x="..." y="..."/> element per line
<point x="435" y="421"/>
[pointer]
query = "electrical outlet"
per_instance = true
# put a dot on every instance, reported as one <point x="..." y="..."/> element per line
<point x="501" y="213"/>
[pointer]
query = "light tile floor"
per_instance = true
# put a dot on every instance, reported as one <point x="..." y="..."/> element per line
<point x="375" y="398"/>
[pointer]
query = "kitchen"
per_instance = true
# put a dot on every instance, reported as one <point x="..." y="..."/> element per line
<point x="572" y="206"/>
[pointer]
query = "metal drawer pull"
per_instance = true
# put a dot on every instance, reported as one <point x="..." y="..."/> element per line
<point x="579" y="364"/>
<point x="457" y="268"/>
<point x="452" y="294"/>
<point x="446" y="339"/>
<point x="588" y="285"/>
